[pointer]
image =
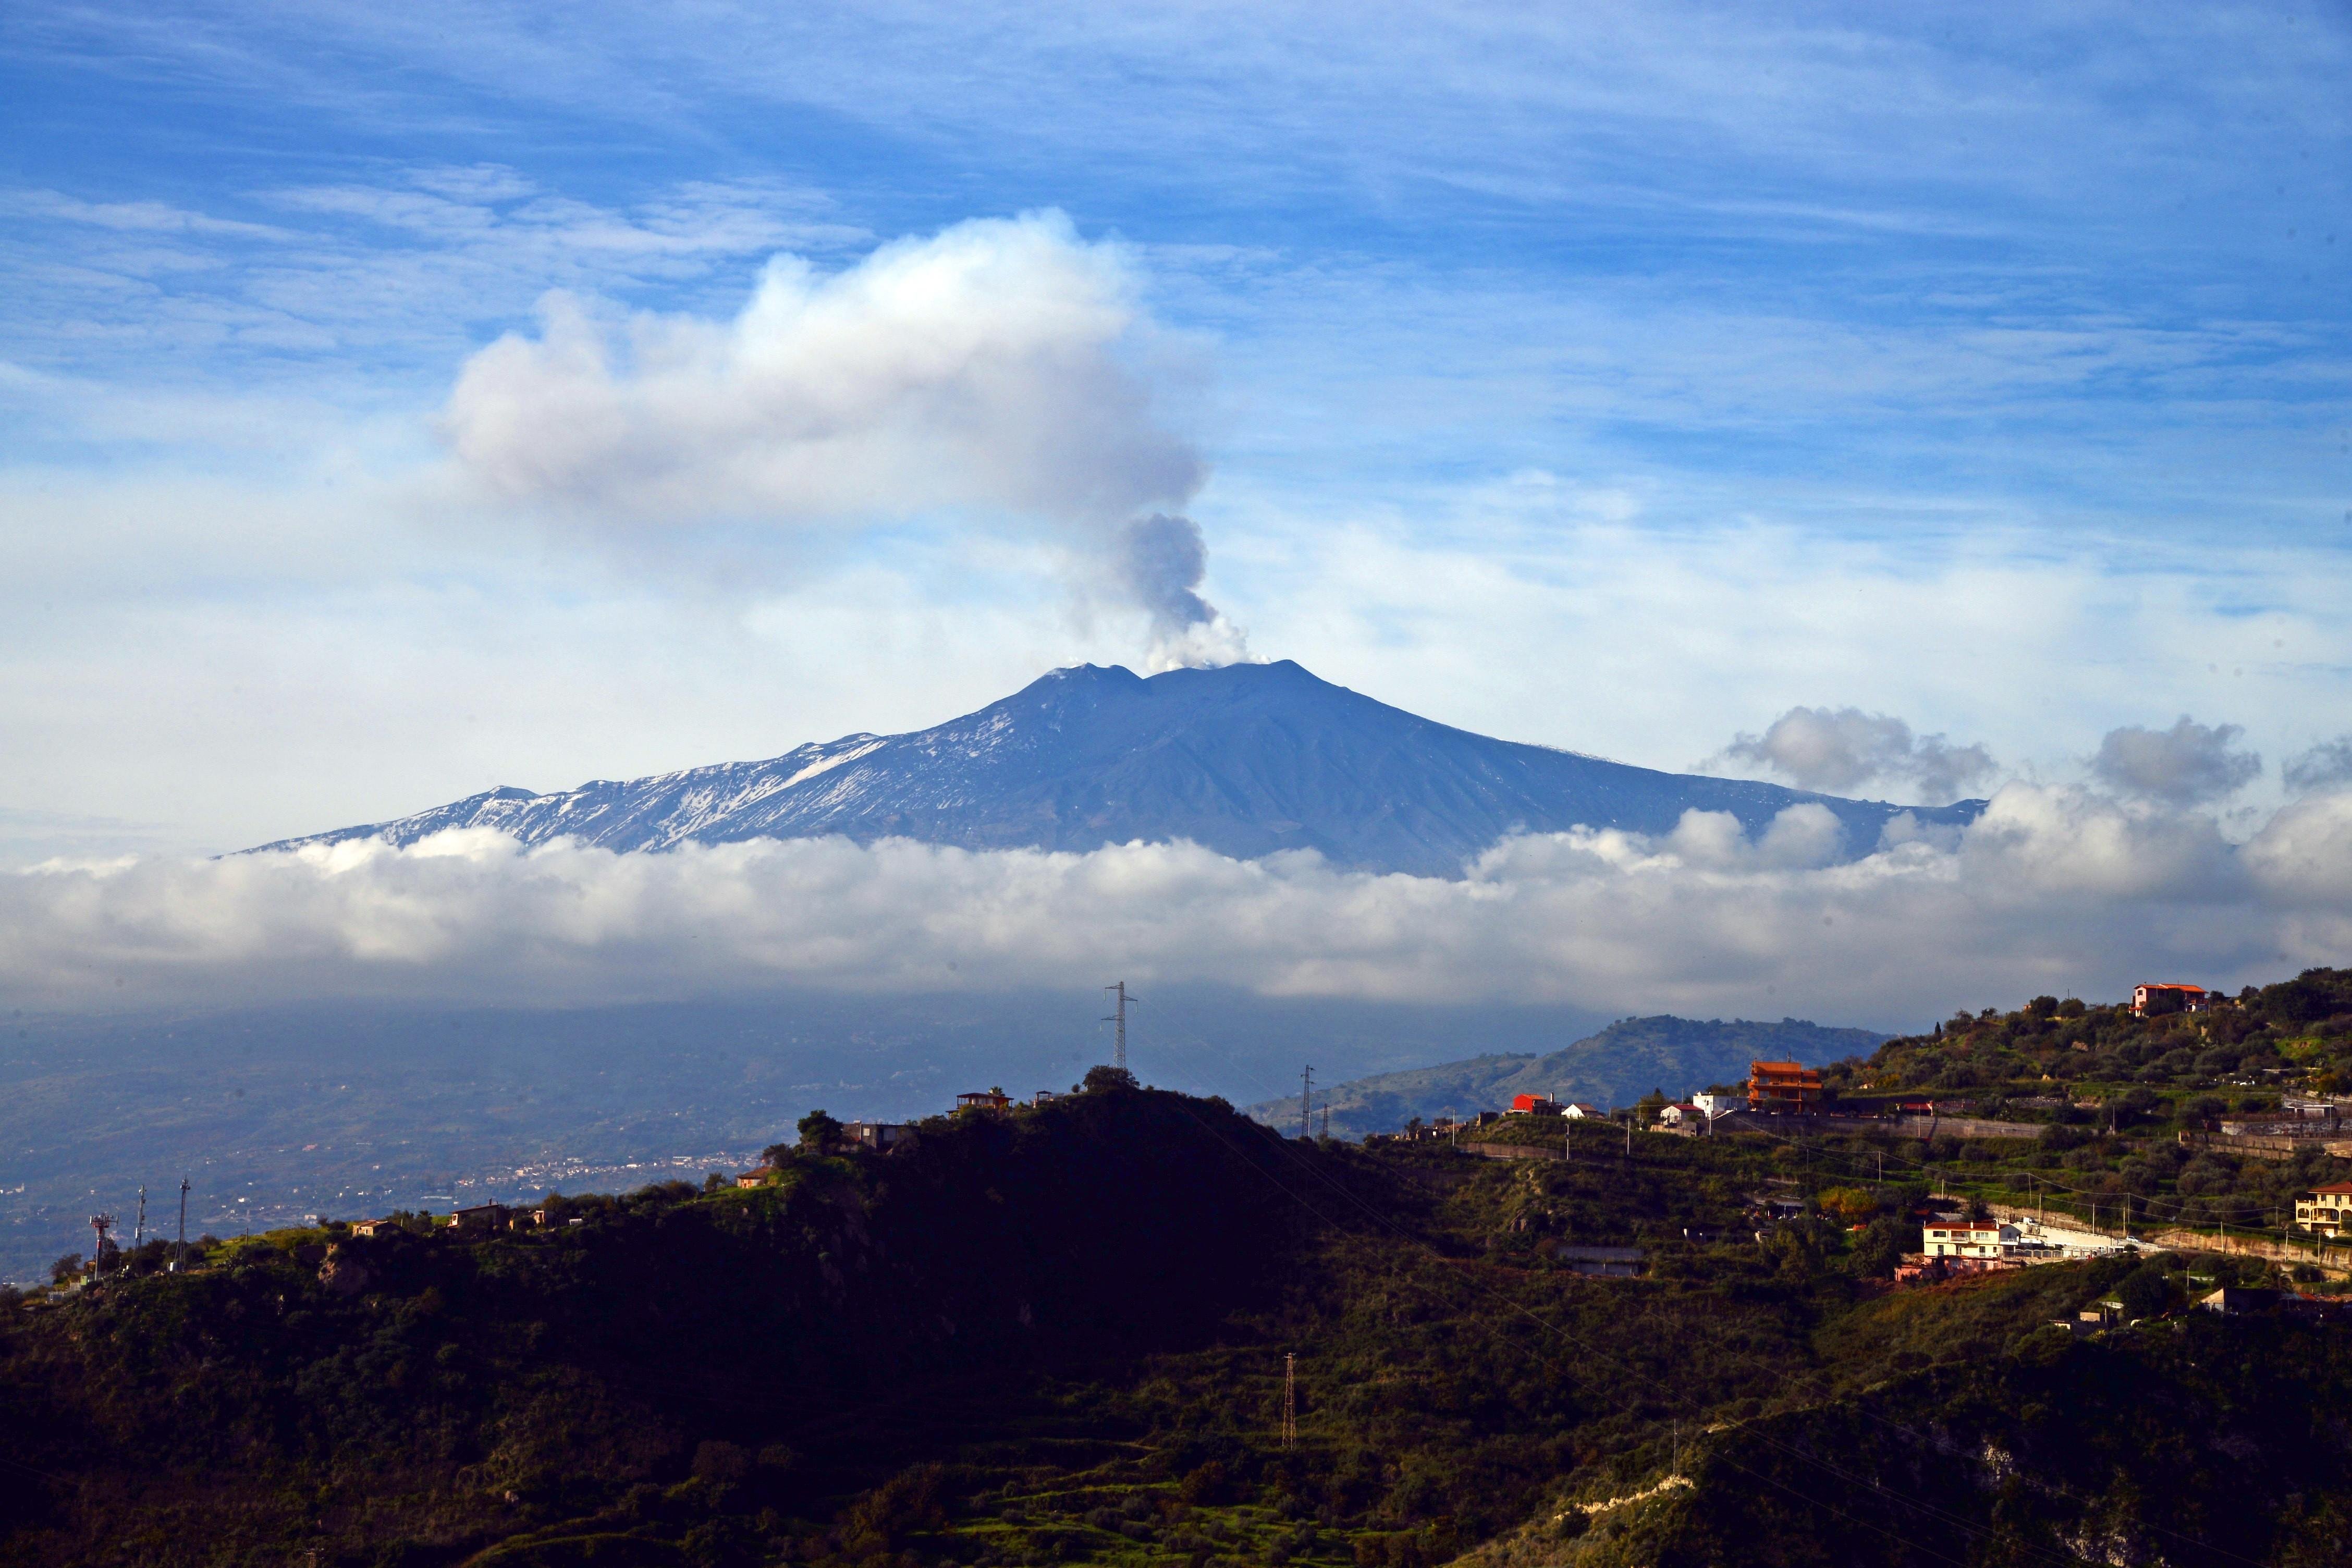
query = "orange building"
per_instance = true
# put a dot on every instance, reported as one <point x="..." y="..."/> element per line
<point x="1783" y="1085"/>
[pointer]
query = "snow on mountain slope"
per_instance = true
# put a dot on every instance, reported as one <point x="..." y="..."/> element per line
<point x="1247" y="759"/>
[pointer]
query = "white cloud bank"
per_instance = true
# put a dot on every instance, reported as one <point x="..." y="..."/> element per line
<point x="2052" y="890"/>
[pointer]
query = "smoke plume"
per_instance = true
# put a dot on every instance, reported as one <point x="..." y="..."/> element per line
<point x="996" y="375"/>
<point x="1161" y="560"/>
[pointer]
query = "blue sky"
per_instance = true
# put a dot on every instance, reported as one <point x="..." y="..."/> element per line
<point x="1618" y="379"/>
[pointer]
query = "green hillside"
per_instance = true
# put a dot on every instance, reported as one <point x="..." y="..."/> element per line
<point x="1061" y="1334"/>
<point x="1616" y="1067"/>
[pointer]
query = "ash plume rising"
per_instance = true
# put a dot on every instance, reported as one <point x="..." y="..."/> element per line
<point x="1160" y="561"/>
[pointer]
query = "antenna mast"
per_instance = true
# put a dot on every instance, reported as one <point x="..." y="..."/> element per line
<point x="179" y="1253"/>
<point x="1306" y="1097"/>
<point x="100" y="1222"/>
<point x="1119" y="1040"/>
<point x="139" y="1232"/>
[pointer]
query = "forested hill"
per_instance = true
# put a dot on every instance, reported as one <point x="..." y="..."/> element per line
<point x="413" y="1394"/>
<point x="1614" y="1068"/>
<point x="2294" y="1033"/>
<point x="1062" y="1333"/>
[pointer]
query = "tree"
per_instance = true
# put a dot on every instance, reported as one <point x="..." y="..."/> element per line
<point x="66" y="1269"/>
<point x="1108" y="1079"/>
<point x="2147" y="1291"/>
<point x="819" y="1132"/>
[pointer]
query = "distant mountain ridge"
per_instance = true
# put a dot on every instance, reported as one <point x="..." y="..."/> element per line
<point x="1614" y="1068"/>
<point x="1247" y="759"/>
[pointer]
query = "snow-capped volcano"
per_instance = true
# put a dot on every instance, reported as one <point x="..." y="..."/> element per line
<point x="1247" y="759"/>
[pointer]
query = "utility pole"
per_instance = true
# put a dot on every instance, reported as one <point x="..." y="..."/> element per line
<point x="1568" y="1138"/>
<point x="1289" y="1400"/>
<point x="139" y="1231"/>
<point x="1119" y="1041"/>
<point x="1306" y="1095"/>
<point x="179" y="1253"/>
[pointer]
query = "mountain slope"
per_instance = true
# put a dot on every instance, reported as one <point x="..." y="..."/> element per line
<point x="1247" y="759"/>
<point x="1615" y="1067"/>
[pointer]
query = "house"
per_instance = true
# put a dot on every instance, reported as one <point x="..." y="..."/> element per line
<point x="1577" y="1110"/>
<point x="984" y="1099"/>
<point x="2094" y="1319"/>
<point x="1967" y="1237"/>
<point x="2235" y="1300"/>
<point x="1784" y="1087"/>
<point x="759" y="1178"/>
<point x="1533" y="1105"/>
<point x="1685" y="1119"/>
<point x="481" y="1216"/>
<point x="1715" y="1104"/>
<point x="1044" y="1097"/>
<point x="883" y="1135"/>
<point x="2326" y="1210"/>
<point x="372" y="1226"/>
<point x="2156" y="1000"/>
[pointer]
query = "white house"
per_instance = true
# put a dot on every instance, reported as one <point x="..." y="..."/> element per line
<point x="1715" y="1104"/>
<point x="1967" y="1237"/>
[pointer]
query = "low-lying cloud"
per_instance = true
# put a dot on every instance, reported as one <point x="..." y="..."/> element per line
<point x="2326" y="765"/>
<point x="1842" y="750"/>
<point x="2188" y="764"/>
<point x="2051" y="889"/>
<point x="996" y="370"/>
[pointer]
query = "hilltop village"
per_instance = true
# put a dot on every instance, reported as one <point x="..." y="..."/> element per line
<point x="1968" y="1291"/>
